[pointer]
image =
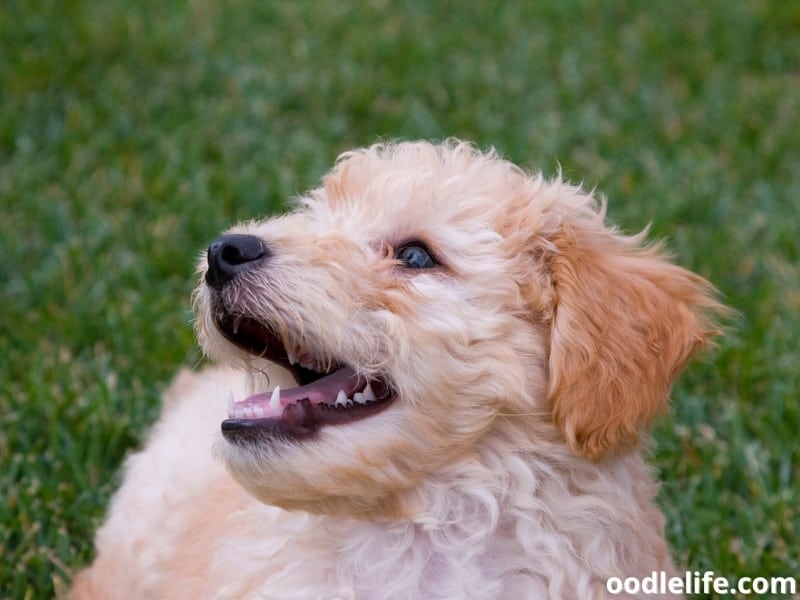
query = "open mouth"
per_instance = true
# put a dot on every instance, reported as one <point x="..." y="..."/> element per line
<point x="334" y="396"/>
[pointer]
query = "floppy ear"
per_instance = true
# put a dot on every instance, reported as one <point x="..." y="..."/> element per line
<point x="625" y="322"/>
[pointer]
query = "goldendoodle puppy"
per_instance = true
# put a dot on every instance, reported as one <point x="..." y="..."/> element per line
<point x="439" y="370"/>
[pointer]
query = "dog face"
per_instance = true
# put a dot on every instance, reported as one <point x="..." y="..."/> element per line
<point x="424" y="298"/>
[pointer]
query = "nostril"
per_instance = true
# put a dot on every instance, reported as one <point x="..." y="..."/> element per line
<point x="232" y="254"/>
<point x="242" y="251"/>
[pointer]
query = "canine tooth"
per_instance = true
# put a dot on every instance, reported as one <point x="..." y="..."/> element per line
<point x="275" y="400"/>
<point x="359" y="397"/>
<point x="341" y="398"/>
<point x="369" y="395"/>
<point x="235" y="327"/>
<point x="291" y="356"/>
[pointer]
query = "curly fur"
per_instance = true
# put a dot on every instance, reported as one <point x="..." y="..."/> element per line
<point x="527" y="368"/>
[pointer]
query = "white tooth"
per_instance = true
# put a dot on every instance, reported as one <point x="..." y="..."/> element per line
<point x="258" y="411"/>
<point x="275" y="400"/>
<point x="291" y="356"/>
<point x="369" y="395"/>
<point x="341" y="398"/>
<point x="359" y="397"/>
<point x="235" y="327"/>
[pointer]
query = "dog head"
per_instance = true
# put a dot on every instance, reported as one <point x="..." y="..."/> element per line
<point x="422" y="298"/>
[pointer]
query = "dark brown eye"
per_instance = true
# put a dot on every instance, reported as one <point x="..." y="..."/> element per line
<point x="415" y="256"/>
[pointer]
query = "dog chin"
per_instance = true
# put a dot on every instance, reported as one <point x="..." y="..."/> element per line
<point x="326" y="473"/>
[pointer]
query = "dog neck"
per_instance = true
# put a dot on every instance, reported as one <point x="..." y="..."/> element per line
<point x="507" y="520"/>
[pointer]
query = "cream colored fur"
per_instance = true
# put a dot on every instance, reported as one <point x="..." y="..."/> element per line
<point x="526" y="368"/>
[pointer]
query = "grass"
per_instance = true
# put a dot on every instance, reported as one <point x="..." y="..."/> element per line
<point x="131" y="133"/>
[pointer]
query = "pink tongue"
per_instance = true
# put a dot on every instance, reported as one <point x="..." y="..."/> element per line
<point x="323" y="390"/>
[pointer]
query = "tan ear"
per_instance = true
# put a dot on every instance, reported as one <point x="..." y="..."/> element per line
<point x="625" y="322"/>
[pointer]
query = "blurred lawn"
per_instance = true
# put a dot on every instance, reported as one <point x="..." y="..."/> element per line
<point x="131" y="133"/>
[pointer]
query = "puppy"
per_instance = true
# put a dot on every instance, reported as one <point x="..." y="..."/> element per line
<point x="441" y="370"/>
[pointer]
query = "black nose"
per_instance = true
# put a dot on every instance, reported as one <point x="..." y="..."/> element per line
<point x="230" y="255"/>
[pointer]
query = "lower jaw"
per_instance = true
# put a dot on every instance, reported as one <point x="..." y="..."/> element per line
<point x="300" y="420"/>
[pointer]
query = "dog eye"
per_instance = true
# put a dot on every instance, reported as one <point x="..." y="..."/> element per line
<point x="415" y="256"/>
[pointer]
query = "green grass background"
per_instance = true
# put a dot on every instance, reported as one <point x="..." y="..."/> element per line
<point x="131" y="133"/>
